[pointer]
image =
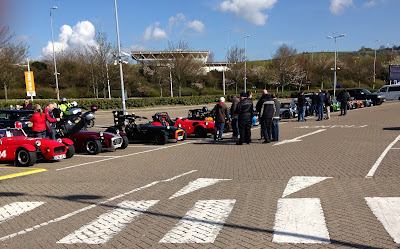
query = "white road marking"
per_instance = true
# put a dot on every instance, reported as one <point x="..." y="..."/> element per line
<point x="107" y="225"/>
<point x="16" y="208"/>
<point x="300" y="220"/>
<point x="92" y="156"/>
<point x="116" y="157"/>
<point x="89" y="207"/>
<point x="196" y="185"/>
<point x="143" y="146"/>
<point x="395" y="148"/>
<point x="387" y="210"/>
<point x="297" y="139"/>
<point x="297" y="183"/>
<point x="331" y="126"/>
<point x="202" y="223"/>
<point x="378" y="162"/>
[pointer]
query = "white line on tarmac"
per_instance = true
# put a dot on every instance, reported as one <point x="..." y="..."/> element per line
<point x="16" y="208"/>
<point x="387" y="210"/>
<point x="89" y="207"/>
<point x="132" y="154"/>
<point x="107" y="225"/>
<point x="202" y="223"/>
<point x="297" y="139"/>
<point x="92" y="156"/>
<point x="196" y="185"/>
<point x="143" y="146"/>
<point x="378" y="162"/>
<point x="297" y="183"/>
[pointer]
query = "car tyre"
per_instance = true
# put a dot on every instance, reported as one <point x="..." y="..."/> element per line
<point x="93" y="147"/>
<point x="70" y="151"/>
<point x="286" y="115"/>
<point x="160" y="139"/>
<point x="25" y="158"/>
<point x="125" y="142"/>
<point x="200" y="132"/>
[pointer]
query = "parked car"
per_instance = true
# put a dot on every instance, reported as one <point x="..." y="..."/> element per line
<point x="145" y="131"/>
<point x="288" y="110"/>
<point x="9" y="117"/>
<point x="25" y="151"/>
<point x="205" y="115"/>
<point x="307" y="106"/>
<point x="391" y="92"/>
<point x="199" y="128"/>
<point x="364" y="94"/>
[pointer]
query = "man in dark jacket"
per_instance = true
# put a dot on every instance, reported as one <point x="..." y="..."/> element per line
<point x="245" y="114"/>
<point x="320" y="104"/>
<point x="344" y="98"/>
<point x="313" y="104"/>
<point x="234" y="116"/>
<point x="266" y="107"/>
<point x="301" y="105"/>
<point x="328" y="103"/>
<point x="220" y="112"/>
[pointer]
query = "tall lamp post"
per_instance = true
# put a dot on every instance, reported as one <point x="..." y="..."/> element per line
<point x="120" y="60"/>
<point x="54" y="54"/>
<point x="373" y="86"/>
<point x="335" y="69"/>
<point x="245" y="59"/>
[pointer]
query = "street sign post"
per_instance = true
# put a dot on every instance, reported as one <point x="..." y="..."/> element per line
<point x="30" y="84"/>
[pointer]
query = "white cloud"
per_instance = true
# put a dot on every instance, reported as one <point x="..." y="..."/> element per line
<point x="82" y="34"/>
<point x="175" y="20"/>
<point x="249" y="10"/>
<point x="370" y="3"/>
<point x="338" y="6"/>
<point x="196" y="25"/>
<point x="153" y="32"/>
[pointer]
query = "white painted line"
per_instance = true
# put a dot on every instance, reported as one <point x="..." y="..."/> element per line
<point x="202" y="223"/>
<point x="395" y="148"/>
<point x="143" y="146"/>
<point x="92" y="156"/>
<point x="297" y="139"/>
<point x="14" y="209"/>
<point x="378" y="162"/>
<point x="330" y="126"/>
<point x="300" y="220"/>
<point x="178" y="176"/>
<point x="107" y="225"/>
<point x="116" y="157"/>
<point x="387" y="210"/>
<point x="297" y="183"/>
<point x="88" y="208"/>
<point x="196" y="185"/>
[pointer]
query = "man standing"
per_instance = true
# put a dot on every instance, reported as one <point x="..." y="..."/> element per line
<point x="301" y="105"/>
<point x="313" y="104"/>
<point x="26" y="105"/>
<point x="266" y="107"/>
<point x="234" y="116"/>
<point x="320" y="104"/>
<point x="328" y="103"/>
<point x="344" y="98"/>
<point x="50" y="118"/>
<point x="275" y="119"/>
<point x="220" y="112"/>
<point x="245" y="115"/>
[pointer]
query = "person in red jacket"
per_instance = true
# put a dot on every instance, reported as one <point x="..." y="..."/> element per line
<point x="38" y="120"/>
<point x="50" y="117"/>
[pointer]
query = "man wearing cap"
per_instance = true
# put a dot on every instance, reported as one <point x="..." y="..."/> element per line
<point x="245" y="114"/>
<point x="220" y="112"/>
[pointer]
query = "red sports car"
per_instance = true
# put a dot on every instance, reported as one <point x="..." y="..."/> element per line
<point x="95" y="142"/>
<point x="198" y="127"/>
<point x="16" y="146"/>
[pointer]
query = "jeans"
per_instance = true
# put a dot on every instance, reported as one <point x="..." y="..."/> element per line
<point x="52" y="134"/>
<point x="235" y="127"/>
<point x="320" y="112"/>
<point x="275" y="129"/>
<point x="219" y="126"/>
<point x="302" y="113"/>
<point x="343" y="108"/>
<point x="40" y="134"/>
<point x="313" y="108"/>
<point x="328" y="112"/>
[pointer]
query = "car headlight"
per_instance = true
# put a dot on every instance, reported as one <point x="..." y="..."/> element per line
<point x="117" y="131"/>
<point x="179" y="125"/>
<point x="381" y="96"/>
<point x="168" y="127"/>
<point x="206" y="123"/>
<point x="59" y="140"/>
<point x="101" y="134"/>
<point x="38" y="143"/>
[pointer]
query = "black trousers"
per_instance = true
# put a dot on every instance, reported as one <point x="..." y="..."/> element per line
<point x="244" y="131"/>
<point x="266" y="126"/>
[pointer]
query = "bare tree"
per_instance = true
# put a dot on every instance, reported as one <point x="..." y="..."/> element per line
<point x="235" y="57"/>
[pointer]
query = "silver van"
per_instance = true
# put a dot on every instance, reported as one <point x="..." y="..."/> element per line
<point x="391" y="92"/>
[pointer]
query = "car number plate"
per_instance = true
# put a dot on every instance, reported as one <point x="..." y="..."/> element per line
<point x="180" y="137"/>
<point x="117" y="145"/>
<point x="58" y="157"/>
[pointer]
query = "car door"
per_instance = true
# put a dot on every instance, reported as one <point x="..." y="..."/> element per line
<point x="393" y="92"/>
<point x="384" y="91"/>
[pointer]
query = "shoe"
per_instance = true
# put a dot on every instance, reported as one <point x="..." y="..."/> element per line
<point x="340" y="114"/>
<point x="239" y="143"/>
<point x="266" y="142"/>
<point x="327" y="118"/>
<point x="220" y="138"/>
<point x="318" y="119"/>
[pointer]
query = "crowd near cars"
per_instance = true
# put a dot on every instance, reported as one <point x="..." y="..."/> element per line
<point x="18" y="145"/>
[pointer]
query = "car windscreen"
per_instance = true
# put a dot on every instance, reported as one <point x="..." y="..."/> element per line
<point x="365" y="91"/>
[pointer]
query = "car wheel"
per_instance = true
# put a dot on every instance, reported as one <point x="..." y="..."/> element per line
<point x="286" y="115"/>
<point x="70" y="151"/>
<point x="160" y="139"/>
<point x="184" y="133"/>
<point x="125" y="142"/>
<point x="25" y="158"/>
<point x="200" y="132"/>
<point x="93" y="147"/>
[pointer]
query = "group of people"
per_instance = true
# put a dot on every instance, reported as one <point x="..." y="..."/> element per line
<point x="242" y="112"/>
<point x="45" y="120"/>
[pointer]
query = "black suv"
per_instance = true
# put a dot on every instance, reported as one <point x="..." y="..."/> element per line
<point x="364" y="94"/>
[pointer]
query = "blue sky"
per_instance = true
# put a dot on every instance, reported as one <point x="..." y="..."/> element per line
<point x="207" y="24"/>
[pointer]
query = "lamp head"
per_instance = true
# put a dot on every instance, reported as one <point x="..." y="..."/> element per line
<point x="54" y="7"/>
<point x="342" y="35"/>
<point x="247" y="36"/>
<point x="330" y="37"/>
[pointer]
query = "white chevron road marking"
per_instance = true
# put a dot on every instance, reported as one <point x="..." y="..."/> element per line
<point x="16" y="208"/>
<point x="196" y="185"/>
<point x="297" y="183"/>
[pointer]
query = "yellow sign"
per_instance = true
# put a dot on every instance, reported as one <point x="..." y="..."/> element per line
<point x="30" y="84"/>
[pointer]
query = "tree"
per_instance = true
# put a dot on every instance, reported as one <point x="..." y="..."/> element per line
<point x="235" y="57"/>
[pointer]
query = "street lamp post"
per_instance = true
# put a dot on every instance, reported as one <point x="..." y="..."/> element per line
<point x="335" y="69"/>
<point x="373" y="86"/>
<point x="245" y="59"/>
<point x="120" y="60"/>
<point x="54" y="54"/>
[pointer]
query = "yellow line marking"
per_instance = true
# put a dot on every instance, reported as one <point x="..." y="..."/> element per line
<point x="32" y="171"/>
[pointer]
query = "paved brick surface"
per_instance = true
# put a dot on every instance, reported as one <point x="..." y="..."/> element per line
<point x="79" y="190"/>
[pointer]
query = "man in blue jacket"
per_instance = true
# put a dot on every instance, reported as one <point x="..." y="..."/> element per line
<point x="320" y="103"/>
